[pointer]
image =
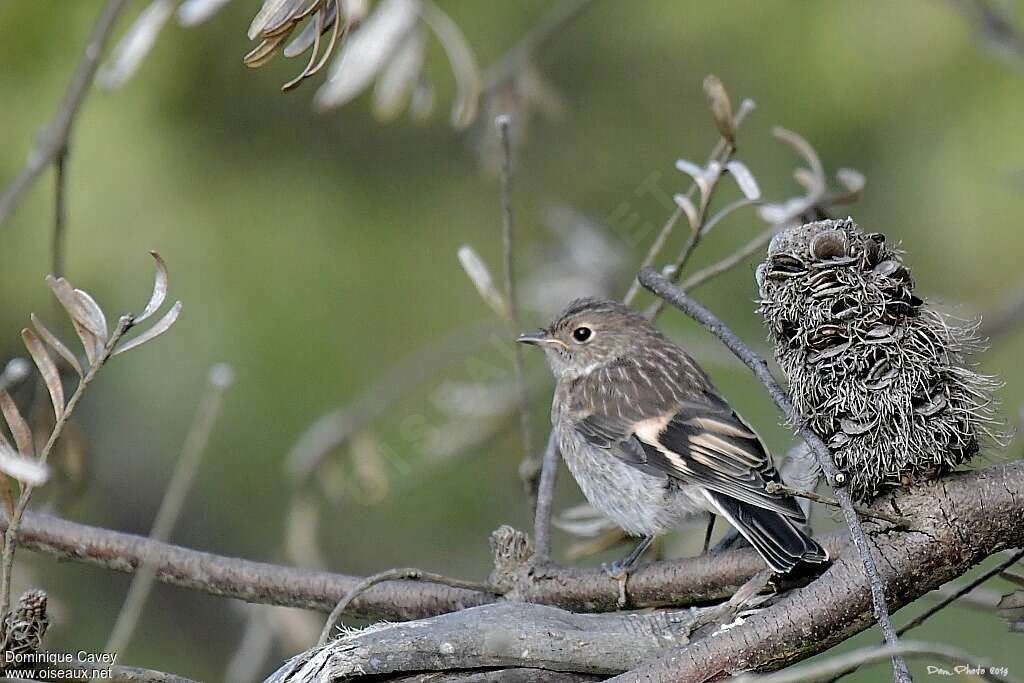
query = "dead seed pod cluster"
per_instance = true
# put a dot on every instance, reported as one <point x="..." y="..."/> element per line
<point x="883" y="378"/>
<point x="23" y="628"/>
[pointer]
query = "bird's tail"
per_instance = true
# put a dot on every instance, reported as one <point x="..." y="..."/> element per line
<point x="776" y="537"/>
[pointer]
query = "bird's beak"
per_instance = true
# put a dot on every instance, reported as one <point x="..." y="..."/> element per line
<point x="538" y="338"/>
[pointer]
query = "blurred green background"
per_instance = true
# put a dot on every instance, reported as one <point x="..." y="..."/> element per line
<point x="313" y="252"/>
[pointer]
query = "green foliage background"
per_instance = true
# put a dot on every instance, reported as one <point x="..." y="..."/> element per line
<point x="312" y="251"/>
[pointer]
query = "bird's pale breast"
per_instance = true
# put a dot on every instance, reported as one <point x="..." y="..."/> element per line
<point x="641" y="504"/>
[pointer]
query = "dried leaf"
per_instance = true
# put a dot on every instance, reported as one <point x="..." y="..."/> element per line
<point x="307" y="38"/>
<point x="400" y="77"/>
<point x="194" y="12"/>
<point x="481" y="278"/>
<point x="66" y="296"/>
<point x="158" y="328"/>
<point x="302" y="546"/>
<point x="807" y="180"/>
<point x="272" y="13"/>
<point x="684" y="203"/>
<point x="853" y="181"/>
<point x="689" y="168"/>
<point x="264" y="52"/>
<point x="47" y="369"/>
<point x="720" y="106"/>
<point x="94" y="319"/>
<point x="19" y="428"/>
<point x="124" y="61"/>
<point x="16" y="370"/>
<point x="421" y="106"/>
<point x="463" y="63"/>
<point x="26" y="470"/>
<point x="367" y="51"/>
<point x="805" y="150"/>
<point x="56" y="344"/>
<point x="744" y="179"/>
<point x="156" y="300"/>
<point x="355" y="11"/>
<point x="369" y="469"/>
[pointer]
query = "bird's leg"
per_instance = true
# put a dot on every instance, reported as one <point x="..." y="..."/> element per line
<point x="707" y="534"/>
<point x="620" y="569"/>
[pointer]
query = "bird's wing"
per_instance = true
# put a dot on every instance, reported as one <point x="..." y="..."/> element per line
<point x="698" y="443"/>
<point x="616" y="437"/>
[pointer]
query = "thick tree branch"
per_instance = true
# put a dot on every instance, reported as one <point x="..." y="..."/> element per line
<point x="957" y="522"/>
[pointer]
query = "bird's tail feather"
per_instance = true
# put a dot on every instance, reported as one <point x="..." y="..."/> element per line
<point x="778" y="539"/>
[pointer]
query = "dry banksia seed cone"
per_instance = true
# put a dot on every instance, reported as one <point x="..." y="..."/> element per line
<point x="24" y="627"/>
<point x="872" y="369"/>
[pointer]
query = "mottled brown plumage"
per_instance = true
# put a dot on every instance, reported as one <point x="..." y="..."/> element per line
<point x="650" y="440"/>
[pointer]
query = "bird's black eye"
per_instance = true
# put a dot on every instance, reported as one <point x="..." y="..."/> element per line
<point x="581" y="334"/>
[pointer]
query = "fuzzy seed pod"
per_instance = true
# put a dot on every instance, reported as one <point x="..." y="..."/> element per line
<point x="872" y="369"/>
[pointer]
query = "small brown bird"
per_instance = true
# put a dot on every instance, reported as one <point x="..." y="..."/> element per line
<point x="650" y="441"/>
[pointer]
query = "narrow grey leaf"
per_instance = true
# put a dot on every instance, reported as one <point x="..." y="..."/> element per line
<point x="720" y="106"/>
<point x="684" y="203"/>
<point x="307" y="37"/>
<point x="366" y="52"/>
<point x="158" y="328"/>
<point x="65" y="294"/>
<point x="272" y="12"/>
<point x="463" y="63"/>
<point x="421" y="106"/>
<point x="193" y="12"/>
<point x="481" y="278"/>
<point x="400" y="77"/>
<point x="744" y="179"/>
<point x="93" y="319"/>
<point x="19" y="428"/>
<point x="850" y="179"/>
<point x="126" y="57"/>
<point x="47" y="369"/>
<point x="56" y="344"/>
<point x="156" y="300"/>
<point x="805" y="150"/>
<point x="26" y="470"/>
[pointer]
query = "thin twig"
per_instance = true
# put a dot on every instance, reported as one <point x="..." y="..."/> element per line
<point x="391" y="575"/>
<point x="774" y="487"/>
<point x="734" y="259"/>
<point x="829" y="667"/>
<point x="59" y="212"/>
<point x="545" y="498"/>
<point x="550" y="26"/>
<point x="11" y="535"/>
<point x="54" y="137"/>
<point x="721" y="152"/>
<point x="530" y="467"/>
<point x="173" y="501"/>
<point x="967" y="588"/>
<point x="660" y="286"/>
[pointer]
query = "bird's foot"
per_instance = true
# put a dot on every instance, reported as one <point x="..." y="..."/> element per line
<point x="618" y="570"/>
<point x="619" y="573"/>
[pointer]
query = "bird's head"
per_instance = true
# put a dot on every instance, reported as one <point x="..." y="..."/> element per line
<point x="589" y="334"/>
